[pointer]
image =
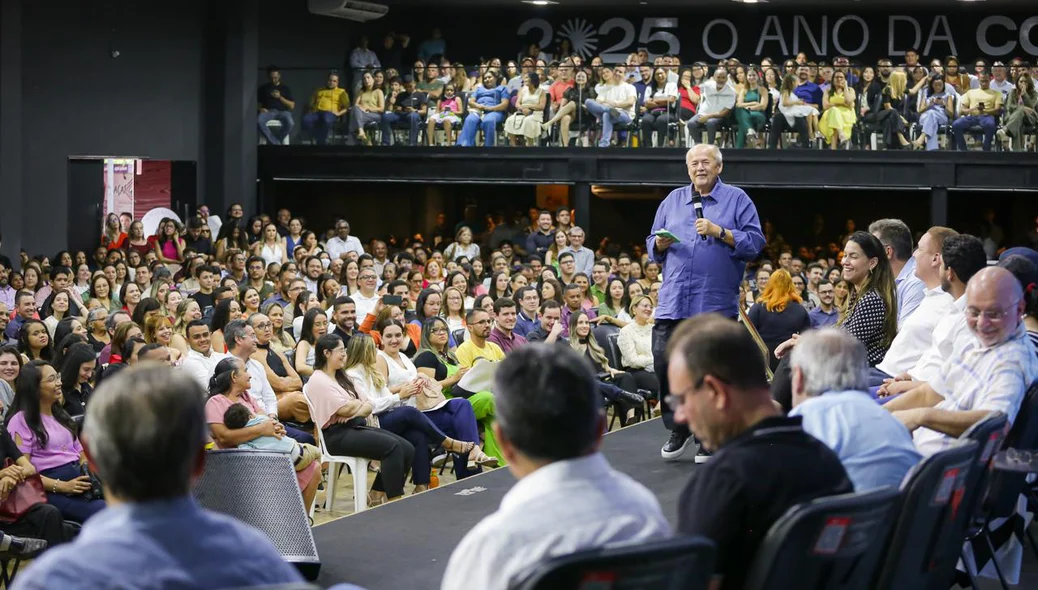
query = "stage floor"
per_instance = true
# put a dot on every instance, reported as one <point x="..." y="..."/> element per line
<point x="406" y="544"/>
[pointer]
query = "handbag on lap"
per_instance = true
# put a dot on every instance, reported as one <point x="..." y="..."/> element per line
<point x="24" y="496"/>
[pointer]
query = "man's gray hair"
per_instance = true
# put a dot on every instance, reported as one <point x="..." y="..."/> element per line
<point x="895" y="234"/>
<point x="145" y="428"/>
<point x="831" y="360"/>
<point x="113" y="319"/>
<point x="232" y="332"/>
<point x="716" y="150"/>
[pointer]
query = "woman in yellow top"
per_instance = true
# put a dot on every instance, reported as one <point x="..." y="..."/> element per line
<point x="368" y="109"/>
<point x="838" y="111"/>
<point x="326" y="106"/>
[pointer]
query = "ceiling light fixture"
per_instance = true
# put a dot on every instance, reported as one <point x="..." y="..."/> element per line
<point x="539" y="2"/>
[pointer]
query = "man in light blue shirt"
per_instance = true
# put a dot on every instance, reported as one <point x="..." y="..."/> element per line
<point x="145" y="436"/>
<point x="582" y="256"/>
<point x="897" y="240"/>
<point x="830" y="381"/>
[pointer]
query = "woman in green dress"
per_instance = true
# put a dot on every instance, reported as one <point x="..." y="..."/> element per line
<point x="435" y="360"/>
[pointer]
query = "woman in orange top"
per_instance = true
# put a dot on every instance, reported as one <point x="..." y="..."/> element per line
<point x="114" y="238"/>
<point x="380" y="316"/>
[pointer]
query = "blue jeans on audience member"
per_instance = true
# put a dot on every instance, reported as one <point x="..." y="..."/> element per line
<point x="876" y="377"/>
<point x="75" y="507"/>
<point x="299" y="435"/>
<point x="931" y="120"/>
<point x="601" y="112"/>
<point x="473" y="123"/>
<point x="986" y="122"/>
<point x="418" y="430"/>
<point x="457" y="419"/>
<point x="390" y="118"/>
<point x="319" y="124"/>
<point x="275" y="115"/>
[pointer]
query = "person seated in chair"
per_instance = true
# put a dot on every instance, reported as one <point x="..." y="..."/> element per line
<point x="237" y="417"/>
<point x="809" y="96"/>
<point x="763" y="463"/>
<point x="718" y="100"/>
<point x="980" y="107"/>
<point x="153" y="533"/>
<point x="614" y="103"/>
<point x="326" y="106"/>
<point x="404" y="104"/>
<point x="487" y="106"/>
<point x="568" y="498"/>
<point x="830" y="394"/>
<point x="992" y="375"/>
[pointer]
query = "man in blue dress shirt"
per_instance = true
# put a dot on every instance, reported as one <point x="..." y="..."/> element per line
<point x="830" y="393"/>
<point x="702" y="270"/>
<point x="145" y="435"/>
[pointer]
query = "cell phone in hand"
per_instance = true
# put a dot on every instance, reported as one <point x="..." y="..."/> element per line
<point x="392" y="299"/>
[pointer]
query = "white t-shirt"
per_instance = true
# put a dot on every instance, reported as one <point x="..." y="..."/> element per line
<point x="618" y="93"/>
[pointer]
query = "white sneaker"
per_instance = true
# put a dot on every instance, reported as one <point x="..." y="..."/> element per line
<point x="751" y="132"/>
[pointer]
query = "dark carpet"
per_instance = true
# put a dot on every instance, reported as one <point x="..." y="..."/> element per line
<point x="406" y="544"/>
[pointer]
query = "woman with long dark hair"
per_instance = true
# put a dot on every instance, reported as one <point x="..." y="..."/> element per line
<point x="346" y="419"/>
<point x="45" y="433"/>
<point x="34" y="341"/>
<point x="224" y="313"/>
<point x="229" y="385"/>
<point x="315" y="325"/>
<point x="77" y="370"/>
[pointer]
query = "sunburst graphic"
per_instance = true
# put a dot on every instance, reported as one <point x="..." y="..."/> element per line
<point x="581" y="36"/>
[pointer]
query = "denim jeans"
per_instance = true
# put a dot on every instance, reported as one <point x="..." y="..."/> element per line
<point x="389" y="118"/>
<point x="473" y="123"/>
<point x="985" y="122"/>
<point x="275" y="115"/>
<point x="601" y="112"/>
<point x="319" y="124"/>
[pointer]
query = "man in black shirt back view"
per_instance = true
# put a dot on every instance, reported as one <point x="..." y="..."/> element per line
<point x="763" y="462"/>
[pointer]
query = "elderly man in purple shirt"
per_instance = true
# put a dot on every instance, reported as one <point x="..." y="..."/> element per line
<point x="503" y="333"/>
<point x="703" y="267"/>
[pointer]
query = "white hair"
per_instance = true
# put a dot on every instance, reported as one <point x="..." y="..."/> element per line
<point x="716" y="152"/>
<point x="831" y="360"/>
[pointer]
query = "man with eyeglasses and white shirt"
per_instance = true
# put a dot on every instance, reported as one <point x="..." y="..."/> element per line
<point x="991" y="376"/>
<point x="366" y="298"/>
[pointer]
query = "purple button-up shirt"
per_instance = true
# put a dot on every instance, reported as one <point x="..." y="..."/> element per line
<point x="507" y="344"/>
<point x="702" y="276"/>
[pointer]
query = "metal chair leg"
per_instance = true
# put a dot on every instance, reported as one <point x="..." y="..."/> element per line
<point x="994" y="559"/>
<point x="969" y="569"/>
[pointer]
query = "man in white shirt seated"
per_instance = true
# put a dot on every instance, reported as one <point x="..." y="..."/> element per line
<point x="991" y="376"/>
<point x="343" y="242"/>
<point x="829" y="369"/>
<point x="962" y="257"/>
<point x="568" y="498"/>
<point x="915" y="334"/>
<point x="717" y="102"/>
<point x="201" y="360"/>
<point x="614" y="104"/>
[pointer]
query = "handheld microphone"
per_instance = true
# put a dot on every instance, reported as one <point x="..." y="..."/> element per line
<point x="697" y="204"/>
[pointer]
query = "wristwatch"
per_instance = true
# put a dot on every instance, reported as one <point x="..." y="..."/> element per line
<point x="723" y="234"/>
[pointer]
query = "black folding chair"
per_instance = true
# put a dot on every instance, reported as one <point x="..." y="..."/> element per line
<point x="459" y="335"/>
<point x="1005" y="489"/>
<point x="988" y="432"/>
<point x="681" y="563"/>
<point x="606" y="336"/>
<point x="834" y="543"/>
<point x="930" y="507"/>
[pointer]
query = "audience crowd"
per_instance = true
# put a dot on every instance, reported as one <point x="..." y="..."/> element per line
<point x="565" y="100"/>
<point x="292" y="329"/>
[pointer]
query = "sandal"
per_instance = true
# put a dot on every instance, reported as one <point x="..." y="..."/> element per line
<point x="482" y="459"/>
<point x="457" y="446"/>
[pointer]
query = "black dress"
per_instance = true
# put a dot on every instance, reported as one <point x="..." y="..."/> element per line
<point x="775" y="327"/>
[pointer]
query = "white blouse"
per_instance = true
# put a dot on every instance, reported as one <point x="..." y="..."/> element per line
<point x="381" y="398"/>
<point x="635" y="343"/>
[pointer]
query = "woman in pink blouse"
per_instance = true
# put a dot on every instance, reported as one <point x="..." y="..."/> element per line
<point x="229" y="385"/>
<point x="45" y="433"/>
<point x="350" y="429"/>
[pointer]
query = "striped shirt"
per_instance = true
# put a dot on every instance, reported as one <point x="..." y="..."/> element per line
<point x="991" y="378"/>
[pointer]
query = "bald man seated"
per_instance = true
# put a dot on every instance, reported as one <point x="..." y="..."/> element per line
<point x="991" y="375"/>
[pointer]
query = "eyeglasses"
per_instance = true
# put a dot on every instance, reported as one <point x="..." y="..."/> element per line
<point x="263" y="325"/>
<point x="438" y="331"/>
<point x="991" y="315"/>
<point x="481" y="323"/>
<point x="677" y="399"/>
<point x="368" y="278"/>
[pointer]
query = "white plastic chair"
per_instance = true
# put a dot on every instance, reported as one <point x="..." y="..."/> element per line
<point x="358" y="465"/>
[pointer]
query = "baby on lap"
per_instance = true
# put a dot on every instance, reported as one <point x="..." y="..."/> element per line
<point x="302" y="455"/>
